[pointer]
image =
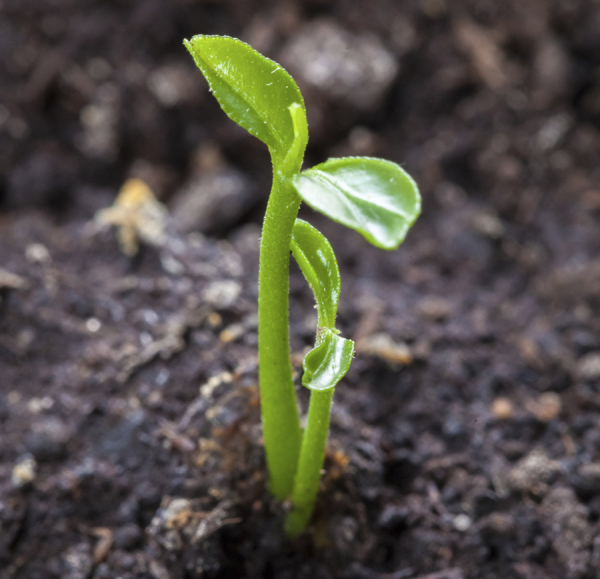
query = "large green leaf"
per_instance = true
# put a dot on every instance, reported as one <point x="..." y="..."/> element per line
<point x="327" y="363"/>
<point x="253" y="90"/>
<point x="377" y="198"/>
<point x="317" y="261"/>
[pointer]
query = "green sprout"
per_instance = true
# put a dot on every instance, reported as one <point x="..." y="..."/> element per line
<point x="377" y="198"/>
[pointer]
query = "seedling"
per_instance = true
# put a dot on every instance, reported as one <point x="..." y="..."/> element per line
<point x="377" y="198"/>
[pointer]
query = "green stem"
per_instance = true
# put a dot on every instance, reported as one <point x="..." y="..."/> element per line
<point x="312" y="455"/>
<point x="280" y="420"/>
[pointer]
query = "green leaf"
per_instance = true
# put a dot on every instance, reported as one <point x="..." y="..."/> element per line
<point x="377" y="198"/>
<point x="316" y="259"/>
<point x="253" y="90"/>
<point x="327" y="363"/>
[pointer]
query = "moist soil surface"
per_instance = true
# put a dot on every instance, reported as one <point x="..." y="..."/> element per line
<point x="464" y="440"/>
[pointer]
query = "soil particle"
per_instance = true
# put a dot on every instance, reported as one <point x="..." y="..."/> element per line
<point x="566" y="523"/>
<point x="588" y="367"/>
<point x="78" y="561"/>
<point x="212" y="202"/>
<point x="48" y="439"/>
<point x="341" y="65"/>
<point x="127" y="537"/>
<point x="23" y="473"/>
<point x="533" y="473"/>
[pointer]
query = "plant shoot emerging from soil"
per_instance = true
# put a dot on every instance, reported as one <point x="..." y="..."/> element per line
<point x="377" y="198"/>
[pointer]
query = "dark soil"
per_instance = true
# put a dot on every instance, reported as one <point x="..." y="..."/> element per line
<point x="465" y="440"/>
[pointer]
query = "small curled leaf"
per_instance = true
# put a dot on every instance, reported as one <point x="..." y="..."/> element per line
<point x="316" y="259"/>
<point x="327" y="363"/>
<point x="253" y="90"/>
<point x="377" y="198"/>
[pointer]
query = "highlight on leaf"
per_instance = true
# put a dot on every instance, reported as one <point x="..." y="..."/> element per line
<point x="377" y="198"/>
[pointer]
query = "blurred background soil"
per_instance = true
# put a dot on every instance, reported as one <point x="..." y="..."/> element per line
<point x="465" y="440"/>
